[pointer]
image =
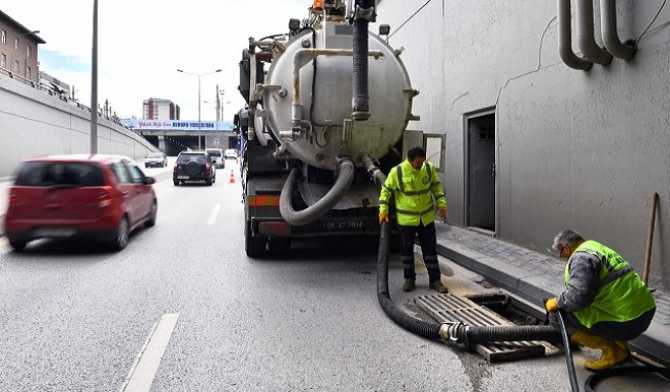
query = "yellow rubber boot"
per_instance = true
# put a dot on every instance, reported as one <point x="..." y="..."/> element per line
<point x="613" y="353"/>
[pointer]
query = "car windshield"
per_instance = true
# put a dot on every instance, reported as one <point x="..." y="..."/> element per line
<point x="44" y="174"/>
<point x="187" y="158"/>
<point x="214" y="153"/>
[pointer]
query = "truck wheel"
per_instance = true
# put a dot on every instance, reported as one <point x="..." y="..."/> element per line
<point x="279" y="246"/>
<point x="254" y="246"/>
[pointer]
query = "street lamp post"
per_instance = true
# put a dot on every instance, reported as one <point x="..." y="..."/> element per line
<point x="199" y="76"/>
<point x="94" y="82"/>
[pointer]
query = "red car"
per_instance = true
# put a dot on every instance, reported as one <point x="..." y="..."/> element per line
<point x="93" y="196"/>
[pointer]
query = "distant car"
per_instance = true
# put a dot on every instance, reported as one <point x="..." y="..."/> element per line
<point x="193" y="166"/>
<point x="216" y="155"/>
<point x="156" y="159"/>
<point x="90" y="196"/>
<point x="231" y="153"/>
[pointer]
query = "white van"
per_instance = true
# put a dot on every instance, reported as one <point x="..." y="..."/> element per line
<point x="216" y="156"/>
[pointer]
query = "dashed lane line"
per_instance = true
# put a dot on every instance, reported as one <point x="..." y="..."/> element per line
<point x="146" y="364"/>
<point x="214" y="214"/>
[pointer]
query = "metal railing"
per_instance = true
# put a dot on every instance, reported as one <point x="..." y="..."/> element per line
<point x="52" y="92"/>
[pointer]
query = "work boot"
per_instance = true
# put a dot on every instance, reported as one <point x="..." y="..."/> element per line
<point x="409" y="285"/>
<point x="439" y="287"/>
<point x="613" y="353"/>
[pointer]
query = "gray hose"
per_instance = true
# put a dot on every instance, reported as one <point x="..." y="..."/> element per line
<point x="345" y="176"/>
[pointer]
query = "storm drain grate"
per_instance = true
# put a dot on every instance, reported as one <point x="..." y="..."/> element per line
<point x="446" y="307"/>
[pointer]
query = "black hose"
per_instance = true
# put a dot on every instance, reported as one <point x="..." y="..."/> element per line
<point x="345" y="176"/>
<point x="426" y="329"/>
<point x="509" y="333"/>
<point x="594" y="379"/>
<point x="361" y="98"/>
<point x="572" y="374"/>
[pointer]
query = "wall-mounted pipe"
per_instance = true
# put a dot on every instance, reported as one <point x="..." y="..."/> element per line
<point x="587" y="42"/>
<point x="610" y="35"/>
<point x="565" y="39"/>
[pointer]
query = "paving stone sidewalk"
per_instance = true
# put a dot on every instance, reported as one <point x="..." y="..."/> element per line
<point x="535" y="276"/>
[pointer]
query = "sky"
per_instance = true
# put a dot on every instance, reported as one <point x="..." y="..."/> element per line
<point x="143" y="42"/>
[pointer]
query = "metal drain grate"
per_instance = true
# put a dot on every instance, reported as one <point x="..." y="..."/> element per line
<point x="447" y="307"/>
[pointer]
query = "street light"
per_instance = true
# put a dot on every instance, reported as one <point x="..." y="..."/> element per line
<point x="199" y="76"/>
<point x="94" y="82"/>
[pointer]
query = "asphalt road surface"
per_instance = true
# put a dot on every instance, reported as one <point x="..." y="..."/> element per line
<point x="183" y="309"/>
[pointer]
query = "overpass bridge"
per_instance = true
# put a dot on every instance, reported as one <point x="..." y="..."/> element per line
<point x="174" y="136"/>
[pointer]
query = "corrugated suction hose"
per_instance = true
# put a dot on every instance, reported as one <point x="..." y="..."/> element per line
<point x="345" y="176"/>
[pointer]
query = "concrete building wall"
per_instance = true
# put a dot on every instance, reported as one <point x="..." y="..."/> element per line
<point x="573" y="149"/>
<point x="33" y="123"/>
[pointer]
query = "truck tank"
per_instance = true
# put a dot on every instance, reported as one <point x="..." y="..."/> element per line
<point x="328" y="104"/>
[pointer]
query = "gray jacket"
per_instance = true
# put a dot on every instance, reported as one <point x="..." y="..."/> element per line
<point x="583" y="284"/>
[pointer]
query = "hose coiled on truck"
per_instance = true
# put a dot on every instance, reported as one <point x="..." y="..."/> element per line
<point x="345" y="176"/>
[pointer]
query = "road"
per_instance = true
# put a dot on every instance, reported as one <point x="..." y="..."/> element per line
<point x="74" y="318"/>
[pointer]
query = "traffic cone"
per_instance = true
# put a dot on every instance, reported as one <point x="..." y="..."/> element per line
<point x="231" y="180"/>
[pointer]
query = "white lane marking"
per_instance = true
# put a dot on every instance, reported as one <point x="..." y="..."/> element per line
<point x="214" y="214"/>
<point x="144" y="369"/>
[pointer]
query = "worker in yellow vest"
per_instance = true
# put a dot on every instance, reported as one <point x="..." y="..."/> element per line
<point x="605" y="301"/>
<point x="415" y="187"/>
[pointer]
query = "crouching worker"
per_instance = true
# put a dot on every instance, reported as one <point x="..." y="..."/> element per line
<point x="605" y="301"/>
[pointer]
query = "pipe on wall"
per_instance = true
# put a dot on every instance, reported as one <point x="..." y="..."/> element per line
<point x="565" y="39"/>
<point x="610" y="35"/>
<point x="587" y="42"/>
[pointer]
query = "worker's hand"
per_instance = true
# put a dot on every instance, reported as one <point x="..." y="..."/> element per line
<point x="551" y="305"/>
<point x="442" y="212"/>
<point x="383" y="217"/>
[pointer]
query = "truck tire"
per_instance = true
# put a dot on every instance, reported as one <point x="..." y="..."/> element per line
<point x="254" y="246"/>
<point x="279" y="246"/>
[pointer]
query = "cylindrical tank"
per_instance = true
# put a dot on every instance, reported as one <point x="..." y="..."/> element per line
<point x="325" y="87"/>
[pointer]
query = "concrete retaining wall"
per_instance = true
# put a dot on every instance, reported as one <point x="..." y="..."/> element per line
<point x="573" y="149"/>
<point x="33" y="123"/>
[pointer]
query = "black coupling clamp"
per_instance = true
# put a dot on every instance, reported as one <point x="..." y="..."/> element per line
<point x="361" y="10"/>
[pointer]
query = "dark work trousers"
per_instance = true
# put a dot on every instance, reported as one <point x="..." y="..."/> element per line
<point x="610" y="330"/>
<point x="428" y="242"/>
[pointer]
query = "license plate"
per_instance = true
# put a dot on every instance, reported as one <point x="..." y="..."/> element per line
<point x="54" y="232"/>
<point x="349" y="225"/>
<point x="183" y="177"/>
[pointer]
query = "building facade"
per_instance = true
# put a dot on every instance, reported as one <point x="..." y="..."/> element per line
<point x="160" y="109"/>
<point x="18" y="49"/>
<point x="533" y="146"/>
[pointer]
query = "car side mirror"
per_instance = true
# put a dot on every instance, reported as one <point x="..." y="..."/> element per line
<point x="149" y="180"/>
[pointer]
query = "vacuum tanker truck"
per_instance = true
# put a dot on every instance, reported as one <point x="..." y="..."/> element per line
<point x="327" y="107"/>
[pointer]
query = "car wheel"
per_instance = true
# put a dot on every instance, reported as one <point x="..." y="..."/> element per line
<point x="151" y="222"/>
<point x="121" y="236"/>
<point x="208" y="182"/>
<point x="254" y="246"/>
<point x="176" y="183"/>
<point x="17" y="245"/>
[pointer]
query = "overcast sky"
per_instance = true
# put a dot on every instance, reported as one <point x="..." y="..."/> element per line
<point x="143" y="42"/>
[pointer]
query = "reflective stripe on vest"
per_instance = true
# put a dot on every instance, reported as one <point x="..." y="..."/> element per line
<point x="405" y="212"/>
<point x="413" y="193"/>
